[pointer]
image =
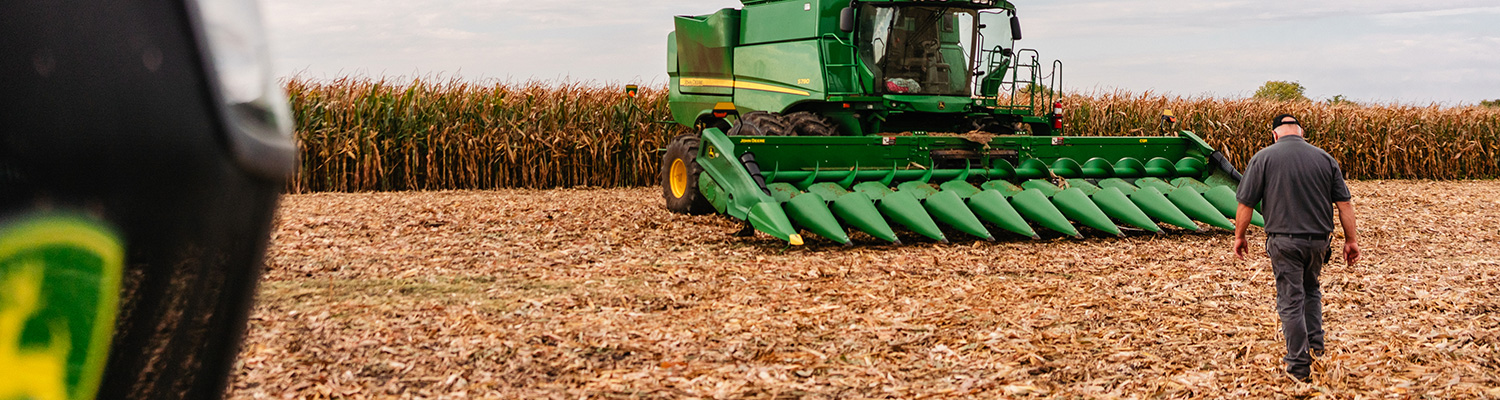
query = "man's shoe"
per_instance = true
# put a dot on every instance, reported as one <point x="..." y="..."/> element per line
<point x="1300" y="376"/>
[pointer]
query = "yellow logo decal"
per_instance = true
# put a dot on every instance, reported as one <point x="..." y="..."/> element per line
<point x="752" y="140"/>
<point x="44" y="259"/>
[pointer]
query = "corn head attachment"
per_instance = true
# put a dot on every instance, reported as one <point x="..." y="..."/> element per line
<point x="820" y="117"/>
<point x="936" y="186"/>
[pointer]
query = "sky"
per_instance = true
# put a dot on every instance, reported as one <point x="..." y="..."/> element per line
<point x="1371" y="51"/>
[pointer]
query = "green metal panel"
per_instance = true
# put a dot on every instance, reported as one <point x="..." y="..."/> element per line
<point x="928" y="104"/>
<point x="780" y="21"/>
<point x="705" y="51"/>
<point x="672" y="54"/>
<point x="686" y="108"/>
<point x="774" y="76"/>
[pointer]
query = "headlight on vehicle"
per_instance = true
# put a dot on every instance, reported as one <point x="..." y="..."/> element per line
<point x="251" y="102"/>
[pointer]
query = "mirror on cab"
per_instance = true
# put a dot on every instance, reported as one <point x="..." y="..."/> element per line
<point x="846" y="19"/>
<point x="1015" y="27"/>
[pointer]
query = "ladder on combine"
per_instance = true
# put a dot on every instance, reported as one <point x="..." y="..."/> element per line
<point x="1028" y="99"/>
<point x="844" y="82"/>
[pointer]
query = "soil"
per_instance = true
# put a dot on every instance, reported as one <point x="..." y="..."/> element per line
<point x="593" y="293"/>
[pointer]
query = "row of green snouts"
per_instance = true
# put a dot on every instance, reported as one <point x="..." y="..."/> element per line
<point x="1094" y="193"/>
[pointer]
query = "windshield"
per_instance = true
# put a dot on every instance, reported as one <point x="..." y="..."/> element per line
<point x="996" y="50"/>
<point x="918" y="50"/>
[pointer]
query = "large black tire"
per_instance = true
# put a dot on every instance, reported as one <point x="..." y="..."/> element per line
<point x="679" y="177"/>
<point x="803" y="123"/>
<point x="760" y="123"/>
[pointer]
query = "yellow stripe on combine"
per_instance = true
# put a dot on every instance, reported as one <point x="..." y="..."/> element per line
<point x="730" y="83"/>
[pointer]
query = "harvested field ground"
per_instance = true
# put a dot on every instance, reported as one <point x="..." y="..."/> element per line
<point x="604" y="294"/>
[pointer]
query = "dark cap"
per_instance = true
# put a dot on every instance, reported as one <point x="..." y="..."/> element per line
<point x="1276" y="122"/>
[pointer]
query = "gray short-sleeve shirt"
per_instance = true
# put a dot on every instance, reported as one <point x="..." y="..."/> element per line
<point x="1298" y="183"/>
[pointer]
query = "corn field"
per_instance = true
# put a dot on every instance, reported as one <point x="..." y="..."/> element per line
<point x="1370" y="142"/>
<point x="378" y="135"/>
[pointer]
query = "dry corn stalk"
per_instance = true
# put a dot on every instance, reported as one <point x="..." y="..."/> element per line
<point x="362" y="134"/>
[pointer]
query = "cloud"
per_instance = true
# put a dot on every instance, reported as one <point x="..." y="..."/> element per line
<point x="608" y="40"/>
<point x="1428" y="15"/>
<point x="1367" y="49"/>
<point x="1154" y="17"/>
<point x="1441" y="67"/>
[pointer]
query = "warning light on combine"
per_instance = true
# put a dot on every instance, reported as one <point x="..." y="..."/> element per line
<point x="1057" y="116"/>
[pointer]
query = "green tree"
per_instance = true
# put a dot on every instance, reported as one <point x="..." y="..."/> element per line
<point x="1281" y="91"/>
<point x="1490" y="103"/>
<point x="1038" y="89"/>
<point x="1340" y="100"/>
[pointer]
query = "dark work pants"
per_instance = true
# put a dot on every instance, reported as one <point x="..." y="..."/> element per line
<point x="1297" y="262"/>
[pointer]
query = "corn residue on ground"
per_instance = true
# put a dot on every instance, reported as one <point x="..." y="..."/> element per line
<point x="604" y="294"/>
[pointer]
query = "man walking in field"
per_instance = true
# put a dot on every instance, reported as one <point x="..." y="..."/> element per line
<point x="1299" y="185"/>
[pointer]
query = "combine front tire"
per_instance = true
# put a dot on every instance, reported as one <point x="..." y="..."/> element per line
<point x="679" y="177"/>
<point x="803" y="123"/>
<point x="760" y="123"/>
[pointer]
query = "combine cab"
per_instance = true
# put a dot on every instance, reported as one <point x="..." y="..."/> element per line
<point x="829" y="115"/>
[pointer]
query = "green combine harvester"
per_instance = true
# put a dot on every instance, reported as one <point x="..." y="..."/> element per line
<point x="877" y="115"/>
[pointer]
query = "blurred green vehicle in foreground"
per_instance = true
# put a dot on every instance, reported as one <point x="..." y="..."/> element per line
<point x="876" y="115"/>
<point x="143" y="148"/>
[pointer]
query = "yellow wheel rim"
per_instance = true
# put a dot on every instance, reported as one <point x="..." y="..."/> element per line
<point x="679" y="178"/>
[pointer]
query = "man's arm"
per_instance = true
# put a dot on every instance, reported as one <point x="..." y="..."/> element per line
<point x="1241" y="224"/>
<point x="1351" y="233"/>
<point x="1250" y="192"/>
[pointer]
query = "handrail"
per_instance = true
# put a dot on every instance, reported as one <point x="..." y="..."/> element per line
<point x="1032" y="68"/>
<point x="852" y="67"/>
<point x="1057" y="81"/>
<point x="836" y="38"/>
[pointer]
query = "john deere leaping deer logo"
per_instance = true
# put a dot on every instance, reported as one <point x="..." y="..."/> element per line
<point x="59" y="289"/>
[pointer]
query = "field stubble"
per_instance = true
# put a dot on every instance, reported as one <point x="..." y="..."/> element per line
<point x="602" y="293"/>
